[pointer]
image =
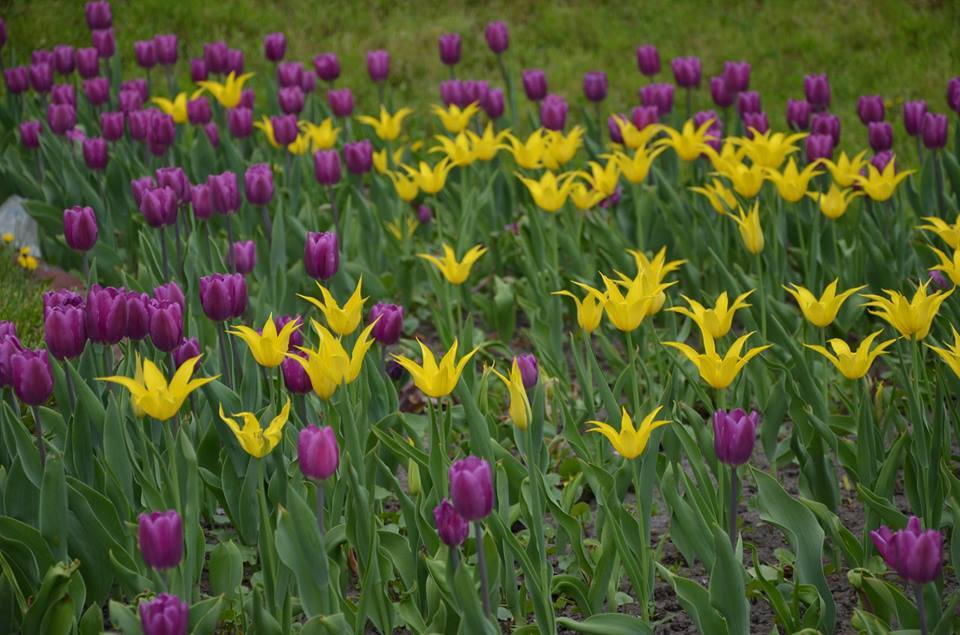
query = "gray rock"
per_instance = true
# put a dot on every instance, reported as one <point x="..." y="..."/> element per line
<point x="15" y="219"/>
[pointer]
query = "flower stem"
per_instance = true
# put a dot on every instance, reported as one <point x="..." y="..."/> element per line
<point x="732" y="515"/>
<point x="38" y="431"/>
<point x="482" y="568"/>
<point x="921" y="612"/>
<point x="325" y="593"/>
<point x="223" y="357"/>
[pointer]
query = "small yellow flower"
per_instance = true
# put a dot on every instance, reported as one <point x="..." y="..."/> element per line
<point x="746" y="179"/>
<point x="396" y="228"/>
<point x="689" y="142"/>
<point x="520" y="412"/>
<point x="951" y="354"/>
<point x="636" y="168"/>
<point x="912" y="318"/>
<point x="151" y="394"/>
<point x="455" y="271"/>
<point x="329" y="365"/>
<point x="256" y="440"/>
<point x="630" y="442"/>
<point x="585" y="198"/>
<point x="750" y="230"/>
<point x="28" y="262"/>
<point x="634" y="138"/>
<point x="386" y="126"/>
<point x="430" y="179"/>
<point x="846" y="171"/>
<point x="589" y="311"/>
<point x="227" y="93"/>
<point x="8" y="237"/>
<point x="791" y="183"/>
<point x="406" y="186"/>
<point x="604" y="178"/>
<point x="719" y="372"/>
<point x="454" y="118"/>
<point x="458" y="149"/>
<point x="267" y="347"/>
<point x="485" y="147"/>
<point x="721" y="198"/>
<point x="380" y="162"/>
<point x="822" y="311"/>
<point x="717" y="320"/>
<point x="853" y="364"/>
<point x="343" y="321"/>
<point x="549" y="192"/>
<point x="834" y="202"/>
<point x="730" y="155"/>
<point x="527" y="154"/>
<point x="880" y="186"/>
<point x="432" y="379"/>
<point x="323" y="136"/>
<point x="560" y="148"/>
<point x="177" y="109"/>
<point x="949" y="265"/>
<point x="948" y="233"/>
<point x="770" y="149"/>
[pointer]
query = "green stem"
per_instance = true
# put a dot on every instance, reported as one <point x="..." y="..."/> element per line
<point x="732" y="514"/>
<point x="482" y="568"/>
<point x="921" y="611"/>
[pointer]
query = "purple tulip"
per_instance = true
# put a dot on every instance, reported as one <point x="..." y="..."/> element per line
<point x="226" y="194"/>
<point x="326" y="167"/>
<point x="553" y="112"/>
<point x="285" y="129"/>
<point x="914" y="554"/>
<point x="139" y="186"/>
<point x="721" y="93"/>
<point x="393" y="369"/>
<point x="595" y="86"/>
<point x="199" y="112"/>
<point x="938" y="279"/>
<point x="321" y="255"/>
<point x="913" y="112"/>
<point x="3" y="33"/>
<point x="105" y="43"/>
<point x="475" y="90"/>
<point x="318" y="452"/>
<point x="65" y="331"/>
<point x="32" y="379"/>
<point x="170" y="292"/>
<point x="870" y="108"/>
<point x="176" y="179"/>
<point x="63" y="94"/>
<point x="341" y="102"/>
<point x="138" y="315"/>
<point x="309" y="83"/>
<point x="235" y="62"/>
<point x="198" y="70"/>
<point x="934" y="131"/>
<point x="75" y="136"/>
<point x="327" y="66"/>
<point x="449" y="44"/>
<point x="60" y="297"/>
<point x="223" y="296"/>
<point x="215" y="56"/>
<point x="880" y="135"/>
<point x="614" y="122"/>
<point x="258" y="183"/>
<point x="161" y="538"/>
<point x="243" y="256"/>
<point x="471" y="488"/>
<point x="643" y="116"/>
<point x="659" y="95"/>
<point x="451" y="527"/>
<point x="686" y="71"/>
<point x="164" y="615"/>
<point x="146" y="53"/>
<point x="131" y="101"/>
<point x="291" y="100"/>
<point x="212" y="133"/>
<point x="9" y="346"/>
<point x="186" y="350"/>
<point x="648" y="59"/>
<point x="95" y="153"/>
<point x="755" y="121"/>
<point x="41" y="56"/>
<point x="358" y="156"/>
<point x="41" y="77"/>
<point x="497" y="36"/>
<point x="80" y="227"/>
<point x="734" y="434"/>
<point x="166" y="45"/>
<point x="736" y="75"/>
<point x="748" y="102"/>
<point x="424" y="214"/>
<point x="798" y="114"/>
<point x="529" y="369"/>
<point x="247" y="98"/>
<point x="492" y="103"/>
<point x="161" y="132"/>
<point x="64" y="59"/>
<point x="378" y="65"/>
<point x="201" y="198"/>
<point x="165" y="324"/>
<point x="534" y="84"/>
<point x="111" y="125"/>
<point x="30" y="134"/>
<point x="816" y="88"/>
<point x="296" y="338"/>
<point x="289" y="74"/>
<point x="98" y="15"/>
<point x="389" y="322"/>
<point x="159" y="206"/>
<point x="953" y="94"/>
<point x="295" y="378"/>
<point x="240" y="122"/>
<point x="274" y="47"/>
<point x="96" y="90"/>
<point x="881" y="159"/>
<point x="88" y="62"/>
<point x="826" y="123"/>
<point x="16" y="79"/>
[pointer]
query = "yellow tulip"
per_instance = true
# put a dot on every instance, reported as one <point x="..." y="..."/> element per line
<point x="177" y="109"/>
<point x="406" y="186"/>
<point x="343" y="321"/>
<point x="948" y="265"/>
<point x="549" y="192"/>
<point x="746" y="180"/>
<point x="151" y="394"/>
<point x="585" y="198"/>
<point x="430" y="179"/>
<point x="432" y="379"/>
<point x="690" y="141"/>
<point x="822" y="311"/>
<point x="719" y="372"/>
<point x="721" y="198"/>
<point x="651" y="272"/>
<point x="912" y="318"/>
<point x="626" y="311"/>
<point x="846" y="171"/>
<point x="768" y="150"/>
<point x="853" y="364"/>
<point x="750" y="230"/>
<point x="834" y="202"/>
<point x="951" y="354"/>
<point x="396" y="229"/>
<point x="329" y="365"/>
<point x="485" y="147"/>
<point x="267" y="347"/>
<point x="227" y="93"/>
<point x="454" y="118"/>
<point x="791" y="183"/>
<point x="636" y="168"/>
<point x="458" y="149"/>
<point x="380" y="162"/>
<point x="300" y="145"/>
<point x="731" y="154"/>
<point x="948" y="233"/>
<point x="880" y="186"/>
<point x="322" y="136"/>
<point x="634" y="138"/>
<point x="528" y="154"/>
<point x="561" y="149"/>
<point x="717" y="320"/>
<point x="386" y="126"/>
<point x="520" y="412"/>
<point x="256" y="440"/>
<point x="589" y="311"/>
<point x="603" y="178"/>
<point x="629" y="442"/>
<point x="455" y="271"/>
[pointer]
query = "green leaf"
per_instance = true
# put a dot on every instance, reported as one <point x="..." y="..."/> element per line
<point x="298" y="545"/>
<point x="727" y="592"/>
<point x="123" y="618"/>
<point x="607" y="624"/>
<point x="205" y="615"/>
<point x="53" y="507"/>
<point x="226" y="569"/>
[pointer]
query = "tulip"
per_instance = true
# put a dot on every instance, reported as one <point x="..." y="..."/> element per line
<point x="453" y="270"/>
<point x="493" y="103"/>
<point x="138" y="315"/>
<point x="64" y="59"/>
<point x="285" y="129"/>
<point x="939" y="280"/>
<point x="880" y="161"/>
<point x="736" y="74"/>
<point x="65" y="331"/>
<point x="106" y="312"/>
<point x="659" y="95"/>
<point x="158" y="398"/>
<point x="913" y="113"/>
<point x="41" y="56"/>
<point x="819" y="146"/>
<point x="198" y="111"/>
<point x="146" y="53"/>
<point x="529" y="369"/>
<point x="112" y="125"/>
<point x="198" y="70"/>
<point x="341" y="102"/>
<point x="326" y="167"/>
<point x="450" y="48"/>
<point x="139" y="186"/>
<point x="225" y="191"/>
<point x="734" y="435"/>
<point x="201" y="198"/>
<point x="223" y="296"/>
<point x="80" y="227"/>
<point x="475" y="90"/>
<point x="295" y="377"/>
<point x="497" y="36"/>
<point x="63" y="94"/>
<point x="595" y="86"/>
<point x="933" y="131"/>
<point x="471" y="488"/>
<point x="433" y="380"/>
<point x="31" y="377"/>
<point x="105" y="43"/>
<point x="160" y="133"/>
<point x="176" y="180"/>
<point x="240" y="122"/>
<point x="235" y="61"/>
<point x="164" y="615"/>
<point x="327" y="66"/>
<point x="161" y="538"/>
<point x="330" y="366"/>
<point x="291" y="100"/>
<point x="258" y="184"/>
<point x="289" y="74"/>
<point x="748" y="102"/>
<point x="451" y="526"/>
<point x="880" y="135"/>
<point x="256" y="440"/>
<point x="914" y="554"/>
<point x="165" y="324"/>
<point x="215" y="56"/>
<point x="648" y="60"/>
<point x="553" y="112"/>
<point x="953" y="94"/>
<point x="756" y="123"/>
<point x="822" y="311"/>
<point x="378" y="65"/>
<point x="720" y="93"/>
<point x="96" y="90"/>
<point x="274" y="47"/>
<point x="98" y="15"/>
<point x="870" y="109"/>
<point x="911" y="318"/>
<point x="816" y="88"/>
<point x="131" y="101"/>
<point x="243" y="256"/>
<point x="853" y="364"/>
<point x="88" y="62"/>
<point x="826" y="123"/>
<point x="17" y="79"/>
<point x="159" y="206"/>
<point x="137" y="85"/>
<point x="798" y="114"/>
<point x="534" y="84"/>
<point x="95" y="153"/>
<point x="30" y="134"/>
<point x="9" y="346"/>
<point x="186" y="350"/>
<point x="388" y="319"/>
<point x="318" y="452"/>
<point x="424" y="214"/>
<point x="358" y="156"/>
<point x="686" y="71"/>
<point x="41" y="77"/>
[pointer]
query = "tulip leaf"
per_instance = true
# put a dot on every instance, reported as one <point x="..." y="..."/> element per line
<point x="53" y="507"/>
<point x="298" y="544"/>
<point x="124" y="619"/>
<point x="607" y="624"/>
<point x="205" y="615"/>
<point x="226" y="569"/>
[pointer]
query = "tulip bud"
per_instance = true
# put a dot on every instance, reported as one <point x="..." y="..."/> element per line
<point x="613" y="126"/>
<point x="65" y="331"/>
<point x="164" y="615"/>
<point x="274" y="47"/>
<point x="825" y="123"/>
<point x="321" y="255"/>
<point x="913" y="112"/>
<point x="146" y="53"/>
<point x="285" y="129"/>
<point x="17" y="79"/>
<point x="317" y="452"/>
<point x="213" y="134"/>
<point x="98" y="15"/>
<point x="424" y="214"/>
<point x="96" y="90"/>
<point x="648" y="60"/>
<point x="492" y="103"/>
<point x="534" y="84"/>
<point x="295" y="378"/>
<point x="595" y="86"/>
<point x="451" y="526"/>
<point x="186" y="350"/>
<point x="953" y="94"/>
<point x="643" y="116"/>
<point x="95" y="153"/>
<point x="686" y="71"/>
<point x="326" y="167"/>
<point x="358" y="156"/>
<point x="553" y="112"/>
<point x="30" y="134"/>
<point x="389" y="322"/>
<point x="258" y="183"/>
<point x="161" y="538"/>
<point x="130" y="101"/>
<point x="41" y="56"/>
<point x="721" y="93"/>
<point x="240" y="122"/>
<point x="199" y="112"/>
<point x="798" y="114"/>
<point x="341" y="102"/>
<point x="170" y="292"/>
<point x="881" y="159"/>
<point x="736" y="75"/>
<point x="159" y="206"/>
<point x="41" y="77"/>
<point x="64" y="59"/>
<point x="880" y="135"/>
<point x="198" y="70"/>
<point x="475" y="90"/>
<point x="226" y="195"/>
<point x="659" y="95"/>
<point x="243" y="256"/>
<point x="235" y="61"/>
<point x="112" y="125"/>
<point x="201" y="198"/>
<point x="914" y="554"/>
<point x="161" y="132"/>
<point x="105" y="43"/>
<point x="296" y="338"/>
<point x="734" y="434"/>
<point x="63" y="94"/>
<point x="870" y="108"/>
<point x="139" y="186"/>
<point x="291" y="100"/>
<point x="80" y="227"/>
<point x="9" y="346"/>
<point x="32" y="380"/>
<point x="450" y="48"/>
<point x="816" y="88"/>
<point x="934" y="131"/>
<point x="748" y="102"/>
<point x="138" y="315"/>
<point x="165" y="324"/>
<point x="378" y="65"/>
<point x="215" y="56"/>
<point x="755" y="121"/>
<point x="327" y="66"/>
<point x="393" y="369"/>
<point x="175" y="179"/>
<point x="529" y="369"/>
<point x="471" y="487"/>
<point x="75" y="136"/>
<point x="938" y="279"/>
<point x="88" y="62"/>
<point x="289" y="74"/>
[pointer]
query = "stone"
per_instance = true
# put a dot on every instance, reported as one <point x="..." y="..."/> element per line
<point x="15" y="220"/>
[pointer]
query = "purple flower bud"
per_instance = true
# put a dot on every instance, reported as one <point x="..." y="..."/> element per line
<point x="138" y="315"/>
<point x="65" y="331"/>
<point x="98" y="15"/>
<point x="198" y="70"/>
<point x="475" y="90"/>
<point x="471" y="488"/>
<point x="131" y="101"/>
<point x="235" y="61"/>
<point x="226" y="194"/>
<point x="213" y="134"/>
<point x="64" y="59"/>
<point x="75" y="136"/>
<point x="186" y="350"/>
<point x="198" y="111"/>
<point x="553" y="112"/>
<point x="112" y="125"/>
<point x="32" y="380"/>
<point x="734" y="434"/>
<point x="686" y="71"/>
<point x="138" y="86"/>
<point x="613" y="126"/>
<point x="30" y="134"/>
<point x="497" y="36"/>
<point x="95" y="153"/>
<point x="914" y="554"/>
<point x="41" y="56"/>
<point x="41" y="77"/>
<point x="648" y="59"/>
<point x="721" y="93"/>
<point x="104" y="42"/>
<point x="88" y="62"/>
<point x="816" y="88"/>
<point x="161" y="133"/>
<point x="146" y="53"/>
<point x="451" y="527"/>
<point x="8" y="328"/>
<point x="170" y="292"/>
<point x="215" y="56"/>
<point x="176" y="179"/>
<point x="826" y="123"/>
<point x="870" y="108"/>
<point x="321" y="255"/>
<point x="139" y="122"/>
<point x="159" y="206"/>
<point x="702" y="117"/>
<point x="9" y="346"/>
<point x="317" y="452"/>
<point x="166" y="45"/>
<point x="139" y="186"/>
<point x="161" y="538"/>
<point x="358" y="156"/>
<point x="881" y="159"/>
<point x="63" y="94"/>
<point x="755" y="121"/>
<point x="240" y="122"/>
<point x="659" y="95"/>
<point x="258" y="183"/>
<point x="295" y="378"/>
<point x="748" y="102"/>
<point x="80" y="227"/>
<point x="534" y="84"/>
<point x="165" y="615"/>
<point x="378" y="65"/>
<point x="493" y="103"/>
<point x="450" y="48"/>
<point x="393" y="369"/>
<point x="424" y="214"/>
<point x="96" y="90"/>
<point x="289" y="74"/>
<point x="934" y="131"/>
<point x="341" y="102"/>
<point x="309" y="83"/>
<point x="17" y="79"/>
<point x="60" y="297"/>
<point x="736" y="75"/>
<point x="274" y="47"/>
<point x="201" y="198"/>
<point x="165" y="324"/>
<point x="223" y="296"/>
<point x="326" y="167"/>
<point x="291" y="100"/>
<point x="953" y="94"/>
<point x="389" y="322"/>
<point x="938" y="279"/>
<point x="798" y="114"/>
<point x="243" y="256"/>
<point x="643" y="116"/>
<point x="451" y="92"/>
<point x="529" y="369"/>
<point x="913" y="112"/>
<point x="595" y="86"/>
<point x="880" y="135"/>
<point x="285" y="129"/>
<point x="327" y="66"/>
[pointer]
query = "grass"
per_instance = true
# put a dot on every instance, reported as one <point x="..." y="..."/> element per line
<point x="21" y="298"/>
